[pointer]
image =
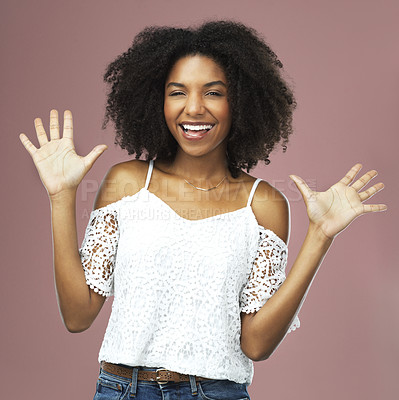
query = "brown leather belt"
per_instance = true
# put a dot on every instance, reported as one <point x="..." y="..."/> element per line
<point x="161" y="375"/>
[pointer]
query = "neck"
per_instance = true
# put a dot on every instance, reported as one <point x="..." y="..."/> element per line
<point x="200" y="170"/>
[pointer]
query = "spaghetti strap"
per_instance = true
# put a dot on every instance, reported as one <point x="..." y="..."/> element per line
<point x="289" y="218"/>
<point x="149" y="173"/>
<point x="251" y="195"/>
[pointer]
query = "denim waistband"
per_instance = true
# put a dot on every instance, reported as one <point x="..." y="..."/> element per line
<point x="134" y="381"/>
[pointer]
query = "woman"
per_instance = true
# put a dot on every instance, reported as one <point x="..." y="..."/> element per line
<point x="192" y="247"/>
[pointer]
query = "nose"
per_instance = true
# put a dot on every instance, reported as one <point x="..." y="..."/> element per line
<point x="194" y="105"/>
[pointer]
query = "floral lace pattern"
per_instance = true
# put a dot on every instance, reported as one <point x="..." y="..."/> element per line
<point x="98" y="250"/>
<point x="179" y="285"/>
<point x="267" y="275"/>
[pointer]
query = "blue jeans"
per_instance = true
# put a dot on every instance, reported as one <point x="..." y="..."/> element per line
<point x="113" y="387"/>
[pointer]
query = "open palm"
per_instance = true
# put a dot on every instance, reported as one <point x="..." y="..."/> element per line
<point x="333" y="210"/>
<point x="59" y="167"/>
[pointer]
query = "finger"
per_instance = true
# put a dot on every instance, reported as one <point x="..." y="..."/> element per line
<point x="94" y="154"/>
<point x="41" y="133"/>
<point x="364" y="180"/>
<point x="27" y="143"/>
<point x="54" y="125"/>
<point x="68" y="125"/>
<point x="367" y="208"/>
<point x="370" y="192"/>
<point x="305" y="190"/>
<point x="348" y="178"/>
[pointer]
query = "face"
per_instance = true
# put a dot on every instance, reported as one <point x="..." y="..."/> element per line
<point x="196" y="108"/>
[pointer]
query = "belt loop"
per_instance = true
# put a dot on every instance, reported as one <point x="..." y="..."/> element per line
<point x="193" y="385"/>
<point x="133" y="388"/>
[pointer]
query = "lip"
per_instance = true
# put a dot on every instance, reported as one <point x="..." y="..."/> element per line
<point x="196" y="123"/>
<point x="195" y="137"/>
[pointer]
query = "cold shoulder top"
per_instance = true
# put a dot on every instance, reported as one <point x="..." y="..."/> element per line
<point x="180" y="285"/>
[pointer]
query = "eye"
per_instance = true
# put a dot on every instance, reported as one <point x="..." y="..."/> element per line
<point x="213" y="93"/>
<point x="176" y="94"/>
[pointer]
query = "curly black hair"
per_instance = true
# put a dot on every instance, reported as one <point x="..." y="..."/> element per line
<point x="261" y="101"/>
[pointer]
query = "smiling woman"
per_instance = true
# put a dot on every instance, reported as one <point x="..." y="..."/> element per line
<point x="260" y="102"/>
<point x="191" y="246"/>
<point x="196" y="106"/>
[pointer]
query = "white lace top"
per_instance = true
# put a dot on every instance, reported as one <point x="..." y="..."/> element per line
<point x="179" y="285"/>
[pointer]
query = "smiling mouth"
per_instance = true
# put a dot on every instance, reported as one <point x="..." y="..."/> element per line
<point x="195" y="131"/>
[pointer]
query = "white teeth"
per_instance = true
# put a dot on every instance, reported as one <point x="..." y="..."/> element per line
<point x="197" y="127"/>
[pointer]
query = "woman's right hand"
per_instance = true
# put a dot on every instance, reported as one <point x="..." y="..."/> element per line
<point x="59" y="167"/>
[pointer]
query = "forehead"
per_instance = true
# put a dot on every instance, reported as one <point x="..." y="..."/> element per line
<point x="196" y="68"/>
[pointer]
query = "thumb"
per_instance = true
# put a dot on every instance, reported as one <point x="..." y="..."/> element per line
<point x="94" y="154"/>
<point x="305" y="190"/>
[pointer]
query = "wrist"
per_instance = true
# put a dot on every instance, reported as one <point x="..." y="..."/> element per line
<point x="63" y="196"/>
<point x="317" y="235"/>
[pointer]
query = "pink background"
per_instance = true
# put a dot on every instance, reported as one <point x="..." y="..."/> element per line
<point x="342" y="57"/>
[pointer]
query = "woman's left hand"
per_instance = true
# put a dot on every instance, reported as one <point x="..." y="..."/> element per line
<point x="333" y="210"/>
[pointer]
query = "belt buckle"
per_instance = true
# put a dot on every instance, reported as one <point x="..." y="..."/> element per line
<point x="157" y="378"/>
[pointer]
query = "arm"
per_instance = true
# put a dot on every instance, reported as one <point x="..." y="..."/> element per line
<point x="329" y="213"/>
<point x="61" y="170"/>
<point x="263" y="331"/>
<point x="79" y="305"/>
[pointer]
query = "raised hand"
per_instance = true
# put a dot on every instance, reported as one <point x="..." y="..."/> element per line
<point x="333" y="210"/>
<point x="59" y="167"/>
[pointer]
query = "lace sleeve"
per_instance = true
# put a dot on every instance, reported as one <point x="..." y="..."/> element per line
<point x="98" y="250"/>
<point x="267" y="274"/>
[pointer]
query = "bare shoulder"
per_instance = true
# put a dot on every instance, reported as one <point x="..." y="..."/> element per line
<point x="123" y="179"/>
<point x="271" y="209"/>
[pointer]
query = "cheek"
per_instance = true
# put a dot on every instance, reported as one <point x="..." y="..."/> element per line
<point x="170" y="118"/>
<point x="168" y="112"/>
<point x="225" y="114"/>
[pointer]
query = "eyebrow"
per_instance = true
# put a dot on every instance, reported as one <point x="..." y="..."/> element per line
<point x="213" y="83"/>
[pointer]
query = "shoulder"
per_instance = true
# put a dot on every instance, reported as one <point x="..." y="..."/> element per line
<point x="123" y="179"/>
<point x="271" y="209"/>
